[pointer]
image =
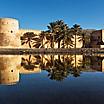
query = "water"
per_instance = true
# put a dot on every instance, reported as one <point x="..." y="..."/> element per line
<point x="51" y="79"/>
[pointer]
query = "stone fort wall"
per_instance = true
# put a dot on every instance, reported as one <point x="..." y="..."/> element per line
<point x="10" y="34"/>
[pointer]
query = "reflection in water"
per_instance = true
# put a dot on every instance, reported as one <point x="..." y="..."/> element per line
<point x="9" y="73"/>
<point x="58" y="67"/>
<point x="61" y="66"/>
<point x="29" y="64"/>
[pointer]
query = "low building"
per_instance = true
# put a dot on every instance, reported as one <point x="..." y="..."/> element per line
<point x="97" y="39"/>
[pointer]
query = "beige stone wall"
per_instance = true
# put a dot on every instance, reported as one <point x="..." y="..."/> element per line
<point x="78" y="44"/>
<point x="22" y="31"/>
<point x="95" y="37"/>
<point x="102" y="46"/>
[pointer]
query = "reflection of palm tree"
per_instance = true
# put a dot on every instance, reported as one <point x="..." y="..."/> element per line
<point x="59" y="72"/>
<point x="28" y="37"/>
<point x="76" y="72"/>
<point x="85" y="63"/>
<point x="39" y="61"/>
<point x="28" y="64"/>
<point x="59" y="69"/>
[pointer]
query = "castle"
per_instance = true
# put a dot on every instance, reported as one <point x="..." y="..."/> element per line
<point x="10" y="33"/>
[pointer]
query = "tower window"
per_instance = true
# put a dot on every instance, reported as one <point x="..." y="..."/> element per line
<point x="11" y="31"/>
<point x="11" y="70"/>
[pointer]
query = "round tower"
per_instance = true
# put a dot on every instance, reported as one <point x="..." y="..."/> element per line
<point x="8" y="30"/>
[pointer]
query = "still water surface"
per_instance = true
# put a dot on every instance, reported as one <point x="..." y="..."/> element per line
<point x="51" y="79"/>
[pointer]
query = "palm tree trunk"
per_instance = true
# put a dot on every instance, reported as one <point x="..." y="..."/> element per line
<point x="29" y="57"/>
<point x="67" y="45"/>
<point x="63" y="43"/>
<point x="53" y="41"/>
<point x="29" y="45"/>
<point x="42" y="43"/>
<point x="83" y="44"/>
<point x="75" y="41"/>
<point x="83" y="40"/>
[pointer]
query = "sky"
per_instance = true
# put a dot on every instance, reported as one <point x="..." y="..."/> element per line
<point x="37" y="14"/>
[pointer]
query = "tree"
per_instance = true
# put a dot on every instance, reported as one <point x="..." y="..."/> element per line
<point x="42" y="36"/>
<point x="67" y="41"/>
<point x="84" y="37"/>
<point x="76" y="30"/>
<point x="28" y="38"/>
<point x="57" y="30"/>
<point x="39" y="41"/>
<point x="51" y="33"/>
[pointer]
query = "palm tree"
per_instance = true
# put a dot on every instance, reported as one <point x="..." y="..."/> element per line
<point x="51" y="33"/>
<point x="57" y="31"/>
<point x="76" y="30"/>
<point x="84" y="37"/>
<point x="45" y="37"/>
<point x="28" y="38"/>
<point x="68" y="39"/>
<point x="42" y="36"/>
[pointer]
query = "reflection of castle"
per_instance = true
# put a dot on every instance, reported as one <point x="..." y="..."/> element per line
<point x="94" y="63"/>
<point x="10" y="68"/>
<point x="9" y="74"/>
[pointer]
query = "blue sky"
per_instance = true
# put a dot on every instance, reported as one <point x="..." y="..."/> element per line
<point x="36" y="14"/>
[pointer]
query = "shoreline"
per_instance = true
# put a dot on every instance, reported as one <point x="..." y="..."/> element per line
<point x="20" y="51"/>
